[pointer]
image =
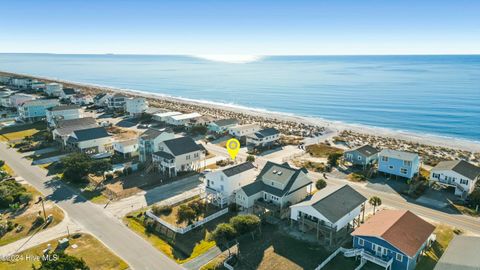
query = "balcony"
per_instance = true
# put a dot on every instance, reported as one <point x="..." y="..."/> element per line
<point x="267" y="205"/>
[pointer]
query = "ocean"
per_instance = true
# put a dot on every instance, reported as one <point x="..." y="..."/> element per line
<point x="437" y="95"/>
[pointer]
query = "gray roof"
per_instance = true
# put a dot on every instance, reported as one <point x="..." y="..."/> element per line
<point x="182" y="145"/>
<point x="68" y="91"/>
<point x="266" y="132"/>
<point x="287" y="177"/>
<point x="38" y="102"/>
<point x="337" y="204"/>
<point x="64" y="107"/>
<point x="366" y="150"/>
<point x="240" y="168"/>
<point x="89" y="134"/>
<point x="152" y="133"/>
<point x="164" y="154"/>
<point x="65" y="127"/>
<point x="226" y="122"/>
<point x="461" y="254"/>
<point x="398" y="154"/>
<point x="461" y="167"/>
<point x="99" y="96"/>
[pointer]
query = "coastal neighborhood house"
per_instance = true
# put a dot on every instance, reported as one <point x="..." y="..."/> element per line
<point x="117" y="102"/>
<point x="18" y="99"/>
<point x="34" y="110"/>
<point x="178" y="155"/>
<point x="162" y="116"/>
<point x="53" y="89"/>
<point x="398" y="163"/>
<point x="456" y="173"/>
<point x="81" y="99"/>
<point x="136" y="106"/>
<point x="182" y="119"/>
<point x="393" y="238"/>
<point x="263" y="138"/>
<point x="101" y="100"/>
<point x="62" y="112"/>
<point x="90" y="141"/>
<point x="241" y="131"/>
<point x="67" y="93"/>
<point x="149" y="142"/>
<point x="221" y="186"/>
<point x="461" y="254"/>
<point x="329" y="211"/>
<point x="276" y="187"/>
<point x="65" y="128"/>
<point x="363" y="156"/>
<point x="221" y="126"/>
<point x="126" y="148"/>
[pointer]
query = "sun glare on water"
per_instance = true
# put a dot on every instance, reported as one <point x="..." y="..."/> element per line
<point x="231" y="58"/>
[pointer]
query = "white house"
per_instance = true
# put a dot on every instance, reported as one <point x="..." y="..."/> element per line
<point x="162" y="116"/>
<point x="67" y="93"/>
<point x="127" y="148"/>
<point x="136" y="106"/>
<point x="332" y="208"/>
<point x="53" y="89"/>
<point x="456" y="173"/>
<point x="65" y="128"/>
<point x="178" y="155"/>
<point x="149" y="142"/>
<point x="263" y="138"/>
<point x="276" y="187"/>
<point x="243" y="130"/>
<point x="101" y="100"/>
<point x="23" y="82"/>
<point x="182" y="119"/>
<point x="90" y="141"/>
<point x="220" y="186"/>
<point x="221" y="126"/>
<point x="117" y="102"/>
<point x="37" y="85"/>
<point x="19" y="98"/>
<point x="62" y="112"/>
<point x="33" y="110"/>
<point x="81" y="99"/>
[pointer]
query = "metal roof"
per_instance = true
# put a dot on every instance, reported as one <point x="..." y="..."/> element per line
<point x="398" y="154"/>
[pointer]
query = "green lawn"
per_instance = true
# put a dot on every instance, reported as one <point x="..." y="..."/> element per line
<point x="18" y="132"/>
<point x="93" y="252"/>
<point x="185" y="247"/>
<point x="444" y="234"/>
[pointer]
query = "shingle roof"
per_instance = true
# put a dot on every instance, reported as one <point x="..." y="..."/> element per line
<point x="398" y="154"/>
<point x="65" y="127"/>
<point x="152" y="133"/>
<point x="226" y="122"/>
<point x="68" y="91"/>
<point x="240" y="168"/>
<point x="287" y="177"/>
<point x="335" y="203"/>
<point x="90" y="134"/>
<point x="266" y="132"/>
<point x="38" y="102"/>
<point x="164" y="154"/>
<point x="461" y="254"/>
<point x="402" y="229"/>
<point x="64" y="108"/>
<point x="366" y="150"/>
<point x="461" y="167"/>
<point x="182" y="145"/>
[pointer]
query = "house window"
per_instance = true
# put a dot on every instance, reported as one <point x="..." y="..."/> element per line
<point x="403" y="170"/>
<point x="349" y="156"/>
<point x="407" y="163"/>
<point x="463" y="182"/>
<point x="385" y="159"/>
<point x="187" y="157"/>
<point x="195" y="155"/>
<point x="359" y="157"/>
<point x="390" y="167"/>
<point x="361" y="242"/>
<point x="436" y="175"/>
<point x="399" y="257"/>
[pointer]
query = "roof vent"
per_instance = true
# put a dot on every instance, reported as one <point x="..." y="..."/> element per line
<point x="274" y="171"/>
<point x="279" y="173"/>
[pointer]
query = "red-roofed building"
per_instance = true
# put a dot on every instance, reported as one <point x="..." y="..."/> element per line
<point x="396" y="237"/>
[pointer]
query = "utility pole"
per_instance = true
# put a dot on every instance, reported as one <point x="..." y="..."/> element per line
<point x="40" y="200"/>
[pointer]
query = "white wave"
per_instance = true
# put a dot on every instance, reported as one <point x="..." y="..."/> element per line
<point x="230" y="58"/>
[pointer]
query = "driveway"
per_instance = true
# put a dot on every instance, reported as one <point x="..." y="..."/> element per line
<point x="138" y="253"/>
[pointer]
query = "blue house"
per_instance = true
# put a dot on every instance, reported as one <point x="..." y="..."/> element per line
<point x="363" y="156"/>
<point x="399" y="163"/>
<point x="393" y="239"/>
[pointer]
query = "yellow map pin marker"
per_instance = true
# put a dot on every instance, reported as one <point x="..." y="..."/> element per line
<point x="233" y="145"/>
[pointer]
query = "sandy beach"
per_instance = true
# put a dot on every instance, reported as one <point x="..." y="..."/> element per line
<point x="292" y="124"/>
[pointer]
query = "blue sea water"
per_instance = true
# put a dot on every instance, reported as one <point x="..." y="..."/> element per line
<point x="424" y="94"/>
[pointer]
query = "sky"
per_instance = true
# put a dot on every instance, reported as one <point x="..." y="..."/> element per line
<point x="246" y="28"/>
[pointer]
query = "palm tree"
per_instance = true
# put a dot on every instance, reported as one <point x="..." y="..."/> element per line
<point x="375" y="201"/>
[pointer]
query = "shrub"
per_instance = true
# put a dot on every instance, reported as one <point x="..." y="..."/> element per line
<point x="198" y="206"/>
<point x="10" y="192"/>
<point x="2" y="163"/>
<point x="320" y="184"/>
<point x="245" y="223"/>
<point x="333" y="159"/>
<point x="159" y="210"/>
<point x="25" y="197"/>
<point x="223" y="233"/>
<point x="250" y="158"/>
<point x="63" y="261"/>
<point x="186" y="214"/>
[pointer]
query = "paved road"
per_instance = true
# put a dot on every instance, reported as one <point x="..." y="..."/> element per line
<point x="138" y="253"/>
